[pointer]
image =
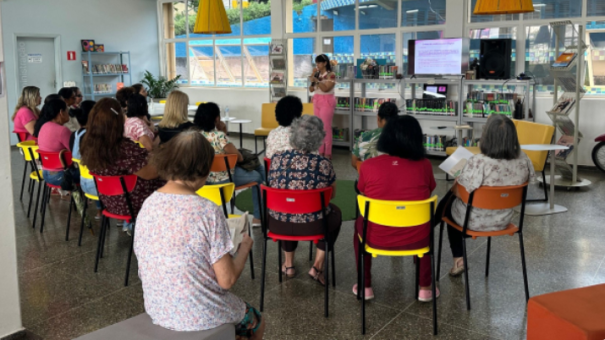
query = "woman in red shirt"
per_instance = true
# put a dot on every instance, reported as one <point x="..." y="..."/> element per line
<point x="402" y="173"/>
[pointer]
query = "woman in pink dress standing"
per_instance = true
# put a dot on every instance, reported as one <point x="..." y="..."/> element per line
<point x="324" y="103"/>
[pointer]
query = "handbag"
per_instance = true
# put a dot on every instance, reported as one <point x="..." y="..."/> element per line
<point x="68" y="180"/>
<point x="250" y="161"/>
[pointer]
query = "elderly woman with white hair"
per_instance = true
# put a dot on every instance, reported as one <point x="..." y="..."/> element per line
<point x="303" y="169"/>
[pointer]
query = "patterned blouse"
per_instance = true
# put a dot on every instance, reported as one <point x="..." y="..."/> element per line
<point x="218" y="140"/>
<point x="177" y="241"/>
<point x="278" y="141"/>
<point x="481" y="170"/>
<point x="296" y="170"/>
<point x="366" y="143"/>
<point x="132" y="159"/>
<point x="135" y="128"/>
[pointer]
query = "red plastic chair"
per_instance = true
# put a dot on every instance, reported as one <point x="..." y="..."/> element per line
<point x="296" y="202"/>
<point x="54" y="160"/>
<point x="267" y="166"/>
<point x="115" y="186"/>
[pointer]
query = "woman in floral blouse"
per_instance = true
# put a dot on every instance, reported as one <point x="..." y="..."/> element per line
<point x="501" y="163"/>
<point x="365" y="145"/>
<point x="106" y="152"/>
<point x="187" y="261"/>
<point x="303" y="169"/>
<point x="208" y="119"/>
<point x="287" y="109"/>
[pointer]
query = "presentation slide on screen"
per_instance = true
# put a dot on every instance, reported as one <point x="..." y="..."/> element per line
<point x="442" y="56"/>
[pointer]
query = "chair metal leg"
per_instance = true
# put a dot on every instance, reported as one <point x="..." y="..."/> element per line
<point x="71" y="203"/>
<point x="489" y="246"/>
<point x="417" y="274"/>
<point x="105" y="232"/>
<point x="434" y="289"/>
<point x="100" y="242"/>
<point x="262" y="279"/>
<point x="23" y="181"/>
<point x="279" y="259"/>
<point x="82" y="223"/>
<point x="37" y="201"/>
<point x="439" y="252"/>
<point x="255" y="146"/>
<point x="310" y="250"/>
<point x="466" y="283"/>
<point x="251" y="257"/>
<point x="326" y="278"/>
<point x="363" y="291"/>
<point x="130" y="255"/>
<point x="31" y="198"/>
<point x="45" y="199"/>
<point x="359" y="278"/>
<point x="333" y="268"/>
<point x="544" y="186"/>
<point x="524" y="267"/>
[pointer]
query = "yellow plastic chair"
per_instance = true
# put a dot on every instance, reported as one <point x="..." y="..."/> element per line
<point x="27" y="160"/>
<point x="28" y="148"/>
<point x="396" y="214"/>
<point x="535" y="133"/>
<point x="162" y="101"/>
<point x="220" y="194"/>
<point x="269" y="122"/>
<point x="84" y="173"/>
<point x="308" y="109"/>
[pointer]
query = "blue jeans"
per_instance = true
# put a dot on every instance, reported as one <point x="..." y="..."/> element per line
<point x="88" y="186"/>
<point x="242" y="177"/>
<point x="57" y="176"/>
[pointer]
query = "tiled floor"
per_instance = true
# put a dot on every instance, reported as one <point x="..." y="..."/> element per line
<point x="61" y="297"/>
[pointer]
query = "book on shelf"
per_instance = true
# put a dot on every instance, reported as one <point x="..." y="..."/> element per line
<point x="434" y="142"/>
<point x="278" y="92"/>
<point x="119" y="86"/>
<point x="565" y="59"/>
<point x="362" y="104"/>
<point x="277" y="48"/>
<point x="564" y="105"/>
<point x="432" y="107"/>
<point x="454" y="164"/>
<point x="277" y="77"/>
<point x="85" y="68"/>
<point x="568" y="141"/>
<point x="278" y="63"/>
<point x="102" y="88"/>
<point x="107" y="68"/>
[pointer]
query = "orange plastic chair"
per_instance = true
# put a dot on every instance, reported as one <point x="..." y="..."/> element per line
<point x="224" y="162"/>
<point x="489" y="198"/>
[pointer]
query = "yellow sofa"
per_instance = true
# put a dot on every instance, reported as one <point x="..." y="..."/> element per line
<point x="268" y="122"/>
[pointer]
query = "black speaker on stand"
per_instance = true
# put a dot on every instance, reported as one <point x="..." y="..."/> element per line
<point x="495" y="59"/>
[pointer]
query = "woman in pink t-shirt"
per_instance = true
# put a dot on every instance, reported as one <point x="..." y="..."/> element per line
<point x="136" y="126"/>
<point x="27" y="113"/>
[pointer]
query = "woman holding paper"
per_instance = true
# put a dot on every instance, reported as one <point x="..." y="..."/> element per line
<point x="324" y="103"/>
<point x="187" y="261"/>
<point x="500" y="163"/>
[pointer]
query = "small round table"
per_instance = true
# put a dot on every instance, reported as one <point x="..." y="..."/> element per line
<point x="241" y="122"/>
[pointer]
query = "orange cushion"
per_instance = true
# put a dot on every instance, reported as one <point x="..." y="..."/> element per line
<point x="570" y="314"/>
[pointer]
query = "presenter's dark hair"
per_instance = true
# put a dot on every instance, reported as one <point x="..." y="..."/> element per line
<point x="388" y="111"/>
<point x="287" y="109"/>
<point x="499" y="139"/>
<point x="402" y="137"/>
<point x="325" y="59"/>
<point x="205" y="116"/>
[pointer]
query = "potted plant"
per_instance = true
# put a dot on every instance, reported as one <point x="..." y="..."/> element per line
<point x="160" y="87"/>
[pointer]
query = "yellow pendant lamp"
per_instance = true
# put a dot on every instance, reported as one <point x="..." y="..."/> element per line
<point x="211" y="18"/>
<point x="493" y="7"/>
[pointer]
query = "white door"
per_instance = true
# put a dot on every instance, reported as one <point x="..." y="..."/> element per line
<point x="36" y="60"/>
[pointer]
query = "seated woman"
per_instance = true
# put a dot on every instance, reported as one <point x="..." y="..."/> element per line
<point x="136" y="127"/>
<point x="187" y="262"/>
<point x="302" y="168"/>
<point x="71" y="98"/>
<point x="122" y="97"/>
<point x="106" y="152"/>
<point x="175" y="116"/>
<point x="401" y="173"/>
<point x="287" y="109"/>
<point x="365" y="144"/>
<point x="27" y="113"/>
<point x="53" y="136"/>
<point x="208" y="119"/>
<point x="140" y="89"/>
<point x="500" y="163"/>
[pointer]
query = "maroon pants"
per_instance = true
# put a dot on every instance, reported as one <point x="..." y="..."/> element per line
<point x="425" y="261"/>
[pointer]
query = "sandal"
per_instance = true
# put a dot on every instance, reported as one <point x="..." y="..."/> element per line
<point x="318" y="276"/>
<point x="457" y="269"/>
<point x="285" y="270"/>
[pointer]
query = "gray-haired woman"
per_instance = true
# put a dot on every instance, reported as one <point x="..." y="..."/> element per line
<point x="303" y="169"/>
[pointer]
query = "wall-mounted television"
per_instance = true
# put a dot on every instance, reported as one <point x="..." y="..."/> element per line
<point x="438" y="56"/>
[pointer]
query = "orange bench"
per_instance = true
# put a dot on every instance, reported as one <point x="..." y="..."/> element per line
<point x="575" y="314"/>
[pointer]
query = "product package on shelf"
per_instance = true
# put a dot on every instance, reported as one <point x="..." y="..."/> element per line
<point x="343" y="103"/>
<point x="431" y="107"/>
<point x="105" y="68"/>
<point x="435" y="142"/>
<point x="102" y="88"/>
<point x="340" y="134"/>
<point x="371" y="104"/>
<point x="481" y="104"/>
<point x="564" y="104"/>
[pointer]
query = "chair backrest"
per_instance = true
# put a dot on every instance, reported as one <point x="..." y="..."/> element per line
<point x="534" y="133"/>
<point x="112" y="185"/>
<point x="493" y="198"/>
<point x="358" y="166"/>
<point x="219" y="164"/>
<point x="267" y="163"/>
<point x="213" y="192"/>
<point x="84" y="173"/>
<point x="26" y="147"/>
<point x="397" y="213"/>
<point x="308" y="109"/>
<point x="268" y="116"/>
<point x="296" y="201"/>
<point x="55" y="160"/>
<point x="21" y="136"/>
<point x="162" y="101"/>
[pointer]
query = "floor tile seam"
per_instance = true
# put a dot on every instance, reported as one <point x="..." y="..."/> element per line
<point x="388" y="323"/>
<point x="469" y="255"/>
<point x="448" y="324"/>
<point x="599" y="268"/>
<point x="55" y="262"/>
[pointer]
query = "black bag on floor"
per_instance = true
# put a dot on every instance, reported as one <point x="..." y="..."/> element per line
<point x="250" y="161"/>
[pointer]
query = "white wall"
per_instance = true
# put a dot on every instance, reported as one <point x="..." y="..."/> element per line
<point x="122" y="25"/>
<point x="10" y="309"/>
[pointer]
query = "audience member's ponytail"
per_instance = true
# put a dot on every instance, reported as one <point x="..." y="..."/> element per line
<point x="205" y="116"/>
<point x="388" y="111"/>
<point x="49" y="112"/>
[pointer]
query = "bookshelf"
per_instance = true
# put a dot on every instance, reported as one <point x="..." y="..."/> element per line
<point x="278" y="71"/>
<point x="102" y="71"/>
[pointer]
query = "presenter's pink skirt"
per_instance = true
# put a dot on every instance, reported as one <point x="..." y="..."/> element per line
<point x="323" y="108"/>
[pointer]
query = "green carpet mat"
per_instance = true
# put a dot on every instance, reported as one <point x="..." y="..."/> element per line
<point x="345" y="199"/>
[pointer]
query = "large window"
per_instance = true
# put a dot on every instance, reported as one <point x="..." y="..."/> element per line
<point x="596" y="58"/>
<point x="218" y="60"/>
<point x="549" y="9"/>
<point x="301" y="60"/>
<point x="377" y="14"/>
<point x="488" y="18"/>
<point x="422" y="12"/>
<point x="596" y="7"/>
